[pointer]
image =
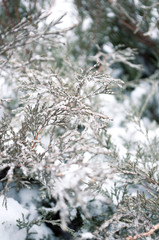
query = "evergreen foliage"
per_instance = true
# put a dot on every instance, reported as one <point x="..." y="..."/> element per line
<point x="54" y="137"/>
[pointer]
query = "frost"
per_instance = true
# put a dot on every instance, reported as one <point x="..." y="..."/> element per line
<point x="87" y="235"/>
<point x="62" y="157"/>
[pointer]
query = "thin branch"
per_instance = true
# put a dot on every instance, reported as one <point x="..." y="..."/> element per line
<point x="8" y="13"/>
<point x="146" y="234"/>
<point x="154" y="84"/>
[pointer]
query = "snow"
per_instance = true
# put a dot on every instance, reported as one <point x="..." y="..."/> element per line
<point x="24" y="204"/>
<point x="27" y="196"/>
<point x="116" y="111"/>
<point x="108" y="48"/>
<point x="86" y="24"/>
<point x="61" y="7"/>
<point x="8" y="217"/>
<point x="87" y="235"/>
<point x="25" y="201"/>
<point x="138" y="93"/>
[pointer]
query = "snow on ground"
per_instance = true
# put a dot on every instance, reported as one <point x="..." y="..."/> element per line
<point x="23" y="204"/>
<point x="8" y="217"/>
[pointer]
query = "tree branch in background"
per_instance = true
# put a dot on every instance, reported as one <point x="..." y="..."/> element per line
<point x="8" y="13"/>
<point x="153" y="88"/>
<point x="141" y="37"/>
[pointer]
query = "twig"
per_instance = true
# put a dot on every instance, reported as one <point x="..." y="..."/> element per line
<point x="147" y="99"/>
<point x="7" y="12"/>
<point x="97" y="114"/>
<point x="146" y="234"/>
<point x="36" y="138"/>
<point x="146" y="40"/>
<point x="130" y="24"/>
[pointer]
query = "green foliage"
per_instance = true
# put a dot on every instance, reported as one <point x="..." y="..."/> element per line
<point x="112" y="23"/>
<point x="57" y="137"/>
